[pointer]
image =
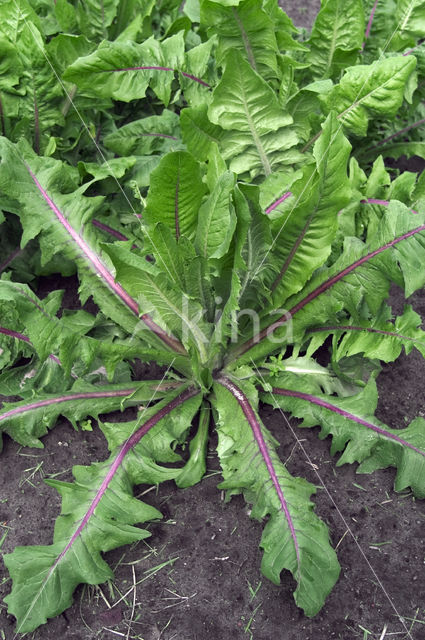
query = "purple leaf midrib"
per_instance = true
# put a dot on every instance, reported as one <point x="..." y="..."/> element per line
<point x="397" y="133"/>
<point x="249" y="414"/>
<point x="14" y="334"/>
<point x="369" y="24"/>
<point x="331" y="407"/>
<point x="36" y="127"/>
<point x="279" y="201"/>
<point x="10" y="258"/>
<point x="384" y="203"/>
<point x="407" y="53"/>
<point x="176" y="207"/>
<point x="103" y="272"/>
<point x="21" y="336"/>
<point x="113" y="232"/>
<point x="117" y="234"/>
<point x="321" y="289"/>
<point x="117" y="393"/>
<point x="14" y="285"/>
<point x="98" y="265"/>
<point x="125" y="448"/>
<point x="336" y="278"/>
<point x="350" y="327"/>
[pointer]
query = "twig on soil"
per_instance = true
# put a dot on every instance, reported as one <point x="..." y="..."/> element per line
<point x="133" y="607"/>
<point x="384" y="631"/>
<point x="175" y="596"/>
<point x="103" y="597"/>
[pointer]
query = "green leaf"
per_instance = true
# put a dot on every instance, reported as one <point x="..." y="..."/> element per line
<point x="169" y="256"/>
<point x="59" y="217"/>
<point x="359" y="280"/>
<point x="27" y="421"/>
<point x="66" y="15"/>
<point x="146" y="136"/>
<point x="15" y="17"/>
<point x="94" y="18"/>
<point x="11" y="345"/>
<point x="410" y="17"/>
<point x="307" y="224"/>
<point x="98" y="514"/>
<point x="284" y="27"/>
<point x="44" y="330"/>
<point x="123" y="70"/>
<point x="258" y="137"/>
<point x="175" y="194"/>
<point x="255" y="244"/>
<point x="192" y="10"/>
<point x="245" y="28"/>
<point x="171" y="307"/>
<point x="10" y="65"/>
<point x="196" y="70"/>
<point x="195" y="468"/>
<point x="294" y="538"/>
<point x="130" y="14"/>
<point x="65" y="48"/>
<point x="32" y="105"/>
<point x="198" y="132"/>
<point x="371" y="90"/>
<point x="396" y="150"/>
<point x="217" y="220"/>
<point x="199" y="286"/>
<point x="382" y="339"/>
<point x="336" y="37"/>
<point x="308" y="371"/>
<point x="356" y="431"/>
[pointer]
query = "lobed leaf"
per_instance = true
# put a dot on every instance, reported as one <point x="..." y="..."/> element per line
<point x="123" y="70"/>
<point x="336" y="37"/>
<point x="62" y="232"/>
<point x="356" y="431"/>
<point x="245" y="28"/>
<point x="294" y="538"/>
<point x="145" y="136"/>
<point x="26" y="421"/>
<point x="304" y="232"/>
<point x="360" y="276"/>
<point x="98" y="514"/>
<point x="258" y="135"/>
<point x="372" y="90"/>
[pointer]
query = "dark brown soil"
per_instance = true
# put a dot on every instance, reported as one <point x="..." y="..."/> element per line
<point x="210" y="585"/>
<point x="198" y="577"/>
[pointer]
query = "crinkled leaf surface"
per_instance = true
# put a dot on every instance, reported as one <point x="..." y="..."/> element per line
<point x="370" y="90"/>
<point x="251" y="225"/>
<point x="361" y="275"/>
<point x="28" y="420"/>
<point x="336" y="37"/>
<point x="309" y="218"/>
<point x="124" y="70"/>
<point x="98" y="514"/>
<point x="294" y="538"/>
<point x="175" y="195"/>
<point x="245" y="28"/>
<point x="258" y="134"/>
<point x="355" y="430"/>
<point x="62" y="217"/>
